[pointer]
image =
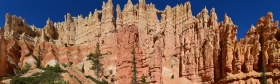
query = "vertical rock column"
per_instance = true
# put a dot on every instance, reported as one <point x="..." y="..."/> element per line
<point x="154" y="40"/>
<point x="119" y="17"/>
<point x="95" y="29"/>
<point x="187" y="43"/>
<point x="108" y="40"/>
<point x="215" y="31"/>
<point x="67" y="32"/>
<point x="169" y="52"/>
<point x="143" y="36"/>
<point x="269" y="30"/>
<point x="128" y="17"/>
<point x="3" y="55"/>
<point x="228" y="41"/>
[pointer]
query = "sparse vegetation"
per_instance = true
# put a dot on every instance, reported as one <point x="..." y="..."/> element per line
<point x="29" y="54"/>
<point x="38" y="59"/>
<point x="64" y="65"/>
<point x="56" y="69"/>
<point x="143" y="80"/>
<point x="172" y="76"/>
<point x="111" y="71"/>
<point x="113" y="79"/>
<point x="50" y="76"/>
<point x="70" y="63"/>
<point x="65" y="45"/>
<point x="78" y="80"/>
<point x="25" y="69"/>
<point x="95" y="60"/>
<point x="97" y="81"/>
<point x="38" y="62"/>
<point x="62" y="82"/>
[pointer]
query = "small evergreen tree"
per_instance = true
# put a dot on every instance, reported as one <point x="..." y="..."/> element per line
<point x="172" y="76"/>
<point x="143" y="80"/>
<point x="29" y="54"/>
<point x="38" y="59"/>
<point x="134" y="78"/>
<point x="97" y="81"/>
<point x="24" y="70"/>
<point x="65" y="45"/>
<point x="95" y="60"/>
<point x="264" y="80"/>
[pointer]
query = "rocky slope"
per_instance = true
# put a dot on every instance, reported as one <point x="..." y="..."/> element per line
<point x="177" y="48"/>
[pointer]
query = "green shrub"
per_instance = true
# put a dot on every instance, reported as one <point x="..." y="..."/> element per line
<point x="78" y="80"/>
<point x="38" y="59"/>
<point x="64" y="65"/>
<point x="172" y="76"/>
<point x="143" y="80"/>
<point x="97" y="81"/>
<point x="50" y="76"/>
<point x="24" y="70"/>
<point x="111" y="71"/>
<point x="62" y="82"/>
<point x="24" y="80"/>
<point x="29" y="54"/>
<point x="56" y="69"/>
<point x="38" y="62"/>
<point x="70" y="63"/>
<point x="65" y="45"/>
<point x="112" y="80"/>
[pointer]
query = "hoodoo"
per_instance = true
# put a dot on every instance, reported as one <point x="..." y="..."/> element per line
<point x="174" y="48"/>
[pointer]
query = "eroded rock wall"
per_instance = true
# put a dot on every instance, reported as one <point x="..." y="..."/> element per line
<point x="178" y="47"/>
<point x="3" y="55"/>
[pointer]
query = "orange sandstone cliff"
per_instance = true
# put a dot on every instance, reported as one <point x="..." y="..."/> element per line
<point x="180" y="48"/>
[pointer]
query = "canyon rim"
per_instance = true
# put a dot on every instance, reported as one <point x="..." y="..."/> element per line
<point x="178" y="48"/>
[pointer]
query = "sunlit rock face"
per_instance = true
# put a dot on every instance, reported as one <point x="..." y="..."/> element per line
<point x="177" y="48"/>
<point x="3" y="55"/>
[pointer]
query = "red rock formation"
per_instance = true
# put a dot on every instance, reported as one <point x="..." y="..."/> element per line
<point x="193" y="49"/>
<point x="3" y="57"/>
<point x="126" y="39"/>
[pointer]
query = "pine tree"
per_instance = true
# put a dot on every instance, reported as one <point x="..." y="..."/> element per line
<point x="143" y="80"/>
<point x="95" y="60"/>
<point x="38" y="59"/>
<point x="264" y="80"/>
<point x="134" y="78"/>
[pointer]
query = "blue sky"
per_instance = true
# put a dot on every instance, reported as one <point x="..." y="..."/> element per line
<point x="244" y="13"/>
